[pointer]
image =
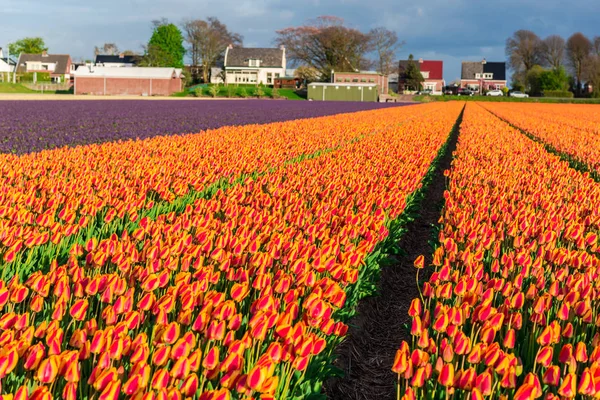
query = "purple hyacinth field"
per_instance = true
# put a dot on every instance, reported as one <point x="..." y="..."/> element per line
<point x="29" y="126"/>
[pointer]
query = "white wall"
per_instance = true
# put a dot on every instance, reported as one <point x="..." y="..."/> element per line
<point x="262" y="74"/>
<point x="4" y="67"/>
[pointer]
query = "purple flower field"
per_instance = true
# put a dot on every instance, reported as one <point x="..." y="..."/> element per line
<point x="28" y="126"/>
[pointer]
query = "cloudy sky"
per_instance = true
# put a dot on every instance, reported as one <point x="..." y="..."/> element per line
<point x="450" y="30"/>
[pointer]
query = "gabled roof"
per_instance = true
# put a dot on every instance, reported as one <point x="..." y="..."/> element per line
<point x="61" y="61"/>
<point x="498" y="68"/>
<point x="239" y="56"/>
<point x="133" y="72"/>
<point x="470" y="68"/>
<point x="105" y="58"/>
<point x="434" y="67"/>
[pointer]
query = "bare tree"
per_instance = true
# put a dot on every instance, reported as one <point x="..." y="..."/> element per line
<point x="110" y="49"/>
<point x="578" y="48"/>
<point x="207" y="40"/>
<point x="596" y="45"/>
<point x="385" y="45"/>
<point x="591" y="72"/>
<point x="326" y="44"/>
<point x="523" y="52"/>
<point x="553" y="51"/>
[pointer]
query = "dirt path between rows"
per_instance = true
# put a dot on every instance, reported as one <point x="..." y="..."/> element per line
<point x="367" y="354"/>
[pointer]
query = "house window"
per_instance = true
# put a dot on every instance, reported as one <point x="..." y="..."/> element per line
<point x="269" y="78"/>
<point x="45" y="67"/>
<point x="372" y="80"/>
<point x="488" y="76"/>
<point x="253" y="63"/>
<point x="363" y="80"/>
<point x="355" y="80"/>
<point x="347" y="80"/>
<point x="477" y="76"/>
<point x="277" y="75"/>
<point x="339" y="80"/>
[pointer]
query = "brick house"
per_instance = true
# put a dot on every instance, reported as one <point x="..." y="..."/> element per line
<point x="363" y="77"/>
<point x="59" y="66"/>
<point x="432" y="71"/>
<point x="139" y="81"/>
<point x="254" y="65"/>
<point x="483" y="75"/>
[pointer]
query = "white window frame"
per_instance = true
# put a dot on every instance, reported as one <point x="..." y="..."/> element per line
<point x="488" y="75"/>
<point x="252" y="62"/>
<point x="478" y="76"/>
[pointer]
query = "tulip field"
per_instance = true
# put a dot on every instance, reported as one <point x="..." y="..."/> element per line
<point x="218" y="265"/>
<point x="228" y="264"/>
<point x="510" y="310"/>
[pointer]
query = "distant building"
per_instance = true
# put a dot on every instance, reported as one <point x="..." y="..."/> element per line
<point x="343" y="91"/>
<point x="483" y="75"/>
<point x="140" y="81"/>
<point x="247" y="65"/>
<point x="363" y="77"/>
<point x="6" y="64"/>
<point x="120" y="60"/>
<point x="432" y="71"/>
<point x="59" y="66"/>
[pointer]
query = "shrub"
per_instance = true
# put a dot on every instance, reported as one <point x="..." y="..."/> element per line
<point x="41" y="77"/>
<point x="275" y="93"/>
<point x="230" y="91"/>
<point x="213" y="90"/>
<point x="558" y="93"/>
<point x="505" y="91"/>
<point x="243" y="93"/>
<point x="198" y="91"/>
<point x="259" y="92"/>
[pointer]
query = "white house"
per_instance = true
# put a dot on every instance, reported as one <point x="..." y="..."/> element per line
<point x="6" y="64"/>
<point x="254" y="65"/>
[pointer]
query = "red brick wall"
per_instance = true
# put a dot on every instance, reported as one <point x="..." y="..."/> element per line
<point x="380" y="80"/>
<point x="127" y="86"/>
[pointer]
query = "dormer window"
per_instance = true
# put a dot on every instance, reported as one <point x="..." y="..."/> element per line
<point x="253" y="62"/>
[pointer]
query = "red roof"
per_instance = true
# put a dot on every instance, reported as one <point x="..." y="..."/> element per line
<point x="435" y="68"/>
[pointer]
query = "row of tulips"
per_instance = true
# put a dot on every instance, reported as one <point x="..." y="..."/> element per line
<point x="239" y="296"/>
<point x="510" y="310"/>
<point x="571" y="129"/>
<point x="69" y="195"/>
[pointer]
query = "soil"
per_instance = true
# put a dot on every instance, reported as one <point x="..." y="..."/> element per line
<point x="367" y="354"/>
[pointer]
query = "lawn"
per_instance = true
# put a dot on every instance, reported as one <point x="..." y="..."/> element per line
<point x="241" y="91"/>
<point x="14" y="88"/>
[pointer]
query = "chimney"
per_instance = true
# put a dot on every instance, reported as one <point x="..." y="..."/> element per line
<point x="483" y="61"/>
<point x="44" y="53"/>
<point x="282" y="47"/>
<point x="230" y="46"/>
<point x="420" y="61"/>
<point x="1" y="53"/>
<point x="121" y="55"/>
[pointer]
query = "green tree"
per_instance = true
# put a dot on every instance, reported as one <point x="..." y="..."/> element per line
<point x="166" y="46"/>
<point x="533" y="80"/>
<point x="414" y="78"/>
<point x="554" y="79"/>
<point x="28" y="45"/>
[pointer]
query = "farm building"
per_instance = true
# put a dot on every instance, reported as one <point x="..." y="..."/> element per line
<point x="137" y="81"/>
<point x="343" y="92"/>
<point x="363" y="77"/>
<point x="254" y="65"/>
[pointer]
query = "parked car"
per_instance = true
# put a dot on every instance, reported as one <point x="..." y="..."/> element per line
<point x="425" y="92"/>
<point x="495" y="93"/>
<point x="448" y="92"/>
<point x="465" y="92"/>
<point x="519" y="95"/>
